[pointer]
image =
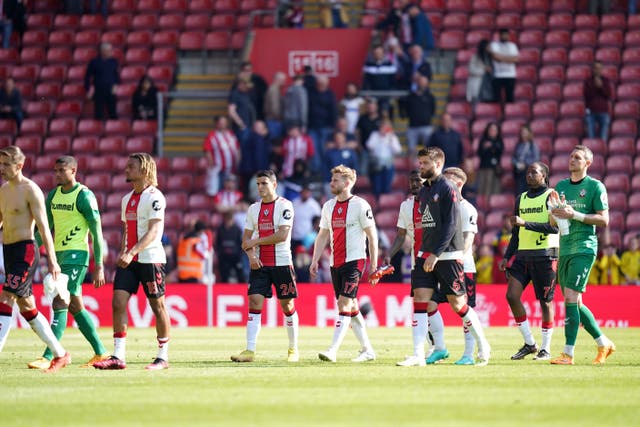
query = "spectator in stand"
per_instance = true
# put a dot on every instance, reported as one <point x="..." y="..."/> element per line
<point x="448" y="140"/>
<point x="296" y="146"/>
<point x="525" y="153"/>
<point x="193" y="252"/>
<point x="12" y="18"/>
<point x="413" y="65"/>
<point x="333" y="14"/>
<point x="103" y="74"/>
<point x="222" y="151"/>
<point x="228" y="198"/>
<point x="306" y="208"/>
<point x="632" y="7"/>
<point x="505" y="56"/>
<point x="323" y="113"/>
<point x="484" y="265"/>
<point x="255" y="154"/>
<point x="379" y="75"/>
<point x="339" y="153"/>
<point x="609" y="266"/>
<point x="241" y="108"/>
<point x="342" y="126"/>
<point x="630" y="262"/>
<point x="597" y="97"/>
<point x="599" y="7"/>
<point x="350" y="107"/>
<point x="294" y="184"/>
<point x="310" y="79"/>
<point x="296" y="104"/>
<point x="257" y="88"/>
<point x="421" y="106"/>
<point x="229" y="250"/>
<point x="11" y="102"/>
<point x="398" y="22"/>
<point x="480" y="65"/>
<point x="500" y="245"/>
<point x="273" y="105"/>
<point x="383" y="145"/>
<point x="291" y="14"/>
<point x="145" y="100"/>
<point x="490" y="149"/>
<point x="421" y="29"/>
<point x="367" y="124"/>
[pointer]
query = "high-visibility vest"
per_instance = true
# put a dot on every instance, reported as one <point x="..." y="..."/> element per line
<point x="190" y="263"/>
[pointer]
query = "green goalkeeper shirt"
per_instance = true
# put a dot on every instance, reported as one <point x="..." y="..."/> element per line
<point x="72" y="215"/>
<point x="587" y="196"/>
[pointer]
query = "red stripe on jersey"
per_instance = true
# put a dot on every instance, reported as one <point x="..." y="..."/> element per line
<point x="339" y="228"/>
<point x="266" y="227"/>
<point x="417" y="227"/>
<point x="131" y="216"/>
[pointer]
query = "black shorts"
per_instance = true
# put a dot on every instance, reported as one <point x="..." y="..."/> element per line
<point x="150" y="275"/>
<point x="447" y="276"/>
<point x="346" y="278"/>
<point x="541" y="271"/>
<point x="20" y="264"/>
<point x="469" y="282"/>
<point x="282" y="277"/>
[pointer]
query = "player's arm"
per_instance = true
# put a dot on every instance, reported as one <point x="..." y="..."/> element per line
<point x="88" y="207"/>
<point x="318" y="248"/>
<point x="155" y="229"/>
<point x="447" y="219"/>
<point x="35" y="199"/>
<point x="401" y="236"/>
<point x="277" y="237"/>
<point x="372" y="237"/>
<point x="47" y="205"/>
<point x="254" y="261"/>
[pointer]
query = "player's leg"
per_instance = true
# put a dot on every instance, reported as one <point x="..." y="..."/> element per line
<point x="7" y="299"/>
<point x="259" y="288"/>
<point x="517" y="278"/>
<point x="573" y="281"/>
<point x="286" y="291"/>
<point x="163" y="325"/>
<point x="544" y="284"/>
<point x="58" y="325"/>
<point x="40" y="326"/>
<point x="469" y="340"/>
<point x="359" y="328"/>
<point x="436" y="328"/>
<point x="88" y="329"/>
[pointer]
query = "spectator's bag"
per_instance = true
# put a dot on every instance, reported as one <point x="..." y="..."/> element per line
<point x="486" y="88"/>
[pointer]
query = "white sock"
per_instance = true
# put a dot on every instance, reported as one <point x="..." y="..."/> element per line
<point x="568" y="349"/>
<point x="472" y="322"/>
<point x="254" y="323"/>
<point x="360" y="330"/>
<point x="41" y="327"/>
<point x="419" y="331"/>
<point x="291" y="323"/>
<point x="342" y="326"/>
<point x="120" y="347"/>
<point x="5" y="327"/>
<point x="436" y="326"/>
<point x="525" y="330"/>
<point x="603" y="340"/>
<point x="469" y="341"/>
<point x="163" y="349"/>
<point x="547" y="333"/>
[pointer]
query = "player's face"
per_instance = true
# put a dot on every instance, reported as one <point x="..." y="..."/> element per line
<point x="8" y="170"/>
<point x="535" y="176"/>
<point x="64" y="174"/>
<point x="266" y="188"/>
<point x="427" y="167"/>
<point x="578" y="161"/>
<point x="133" y="170"/>
<point x="415" y="183"/>
<point x="338" y="184"/>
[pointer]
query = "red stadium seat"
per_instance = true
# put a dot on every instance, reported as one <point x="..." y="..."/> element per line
<point x="164" y="56"/>
<point x="27" y="73"/>
<point x="452" y="40"/>
<point x="217" y="40"/>
<point x="200" y="202"/>
<point x="84" y="54"/>
<point x="484" y="110"/>
<point x="149" y="6"/>
<point x="584" y="38"/>
<point x="508" y="20"/>
<point x="192" y="40"/>
<point x="9" y="56"/>
<point x="610" y="38"/>
<point x="581" y="55"/>
<point x="598" y="146"/>
<point x="548" y="91"/>
<point x="140" y="144"/>
<point x="8" y="126"/>
<point x="32" y="55"/>
<point x="73" y="91"/>
<point x="554" y="55"/>
<point x="120" y="21"/>
<point x="139" y="38"/>
<point x="579" y="72"/>
<point x="501" y="202"/>
<point x="44" y="180"/>
<point x="112" y="145"/>
<point x="624" y="128"/>
<point x="551" y="73"/>
<point x="119" y="183"/>
<point x="226" y="6"/>
<point x="94" y="22"/>
<point x="572" y="109"/>
<point x="69" y="108"/>
<point x="161" y="73"/>
<point x="617" y="181"/>
<point x="586" y="22"/>
<point x="459" y="110"/>
<point x="617" y="200"/>
<point x="179" y="198"/>
<point x="631" y="57"/>
<point x="32" y="126"/>
<point x="632" y="39"/>
<point x="171" y="22"/>
<point x="180" y="182"/>
<point x="90" y="127"/>
<point x="165" y="38"/>
<point x="62" y="126"/>
<point x="224" y="21"/>
<point x="564" y="145"/>
<point x="120" y="127"/>
<point x="115" y="38"/>
<point x="44" y="163"/>
<point x="626" y="110"/>
<point x="557" y="38"/>
<point x="517" y="110"/>
<point x="132" y="73"/>
<point x="137" y="55"/>
<point x="628" y="91"/>
<point x="622" y="146"/>
<point x="527" y="73"/>
<point x="56" y="73"/>
<point x="534" y="21"/>
<point x="573" y="91"/>
<point x="620" y="164"/>
<point x="76" y="73"/>
<point x="609" y="55"/>
<point x="179" y="6"/>
<point x="87" y="38"/>
<point x="511" y="128"/>
<point x="113" y="202"/>
<point x="59" y="55"/>
<point x="630" y="74"/>
<point x="57" y="145"/>
<point x="613" y="21"/>
<point x="69" y="22"/>
<point x="84" y="145"/>
<point x="61" y="38"/>
<point x="125" y="90"/>
<point x="197" y="23"/>
<point x="30" y="144"/>
<point x="39" y="109"/>
<point x="238" y="39"/>
<point x="455" y="21"/>
<point x="144" y="128"/>
<point x="39" y="21"/>
<point x="570" y="127"/>
<point x="530" y="56"/>
<point x="481" y="21"/>
<point x="561" y="21"/>
<point x="34" y="38"/>
<point x="634" y="202"/>
<point x="200" y="6"/>
<point x="616" y="220"/>
<point x="145" y="21"/>
<point x="100" y="164"/>
<point x="542" y="127"/>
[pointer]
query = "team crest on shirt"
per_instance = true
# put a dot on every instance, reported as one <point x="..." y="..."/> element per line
<point x="133" y="203"/>
<point x="286" y="214"/>
<point x="339" y="211"/>
<point x="436" y="197"/>
<point x="583" y="192"/>
<point x="265" y="212"/>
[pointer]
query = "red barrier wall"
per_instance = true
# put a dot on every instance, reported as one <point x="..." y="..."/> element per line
<point x="338" y="54"/>
<point x="226" y="305"/>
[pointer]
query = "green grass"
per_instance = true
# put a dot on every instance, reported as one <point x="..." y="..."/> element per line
<point x="203" y="387"/>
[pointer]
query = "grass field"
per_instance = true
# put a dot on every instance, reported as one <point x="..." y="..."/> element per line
<point x="203" y="387"/>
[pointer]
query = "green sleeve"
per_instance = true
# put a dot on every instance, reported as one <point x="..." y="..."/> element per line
<point x="47" y="204"/>
<point x="88" y="206"/>
<point x="600" y="201"/>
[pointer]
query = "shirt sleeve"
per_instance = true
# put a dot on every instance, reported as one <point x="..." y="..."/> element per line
<point x="600" y="201"/>
<point x="325" y="220"/>
<point x="286" y="215"/>
<point x="403" y="221"/>
<point x="157" y="205"/>
<point x="88" y="207"/>
<point x="249" y="222"/>
<point x="366" y="215"/>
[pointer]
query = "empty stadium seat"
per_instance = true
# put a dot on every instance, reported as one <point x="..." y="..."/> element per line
<point x="164" y="56"/>
<point x="557" y="38"/>
<point x="561" y="21"/>
<point x="554" y="55"/>
<point x="626" y="110"/>
<point x="619" y="164"/>
<point x="586" y="22"/>
<point x="617" y="200"/>
<point x="143" y="128"/>
<point x="68" y="108"/>
<point x="61" y="38"/>
<point x="615" y="181"/>
<point x="534" y="21"/>
<point x="132" y="73"/>
<point x="622" y="146"/>
<point x="112" y="145"/>
<point x="200" y="6"/>
<point x="57" y="145"/>
<point x="62" y="126"/>
<point x="570" y="127"/>
<point x="39" y="109"/>
<point x="624" y="127"/>
<point x="451" y="40"/>
<point x="139" y="38"/>
<point x="119" y="21"/>
<point x="87" y="38"/>
<point x="579" y="72"/>
<point x="573" y="91"/>
<point x="613" y="21"/>
<point x="84" y="145"/>
<point x="34" y="126"/>
<point x="140" y="144"/>
<point x="145" y="21"/>
<point x="30" y="143"/>
<point x="191" y="40"/>
<point x="392" y="200"/>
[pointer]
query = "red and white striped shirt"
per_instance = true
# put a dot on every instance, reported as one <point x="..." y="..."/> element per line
<point x="224" y="149"/>
<point x="346" y="222"/>
<point x="293" y="149"/>
<point x="265" y="219"/>
<point x="227" y="199"/>
<point x="410" y="219"/>
<point x="137" y="210"/>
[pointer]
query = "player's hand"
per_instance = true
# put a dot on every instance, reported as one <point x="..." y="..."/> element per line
<point x="255" y="263"/>
<point x="98" y="276"/>
<point x="565" y="212"/>
<point x="54" y="268"/>
<point x="124" y="260"/>
<point x="502" y="266"/>
<point x="248" y="244"/>
<point x="516" y="221"/>
<point x="313" y="270"/>
<point x="430" y="263"/>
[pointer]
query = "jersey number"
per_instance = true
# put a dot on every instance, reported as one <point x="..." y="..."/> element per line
<point x="152" y="287"/>
<point x="287" y="289"/>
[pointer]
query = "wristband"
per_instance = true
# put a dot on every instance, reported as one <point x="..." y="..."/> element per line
<point x="578" y="216"/>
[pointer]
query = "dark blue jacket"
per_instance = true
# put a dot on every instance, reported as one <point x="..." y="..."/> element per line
<point x="323" y="109"/>
<point x="103" y="73"/>
<point x="450" y="142"/>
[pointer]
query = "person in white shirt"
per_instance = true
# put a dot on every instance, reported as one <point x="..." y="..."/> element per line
<point x="505" y="56"/>
<point x="306" y="208"/>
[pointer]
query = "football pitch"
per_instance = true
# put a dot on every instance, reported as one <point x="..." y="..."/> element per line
<point x="203" y="387"/>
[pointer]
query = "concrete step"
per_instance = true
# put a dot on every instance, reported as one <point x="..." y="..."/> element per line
<point x="200" y="122"/>
<point x="183" y="103"/>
